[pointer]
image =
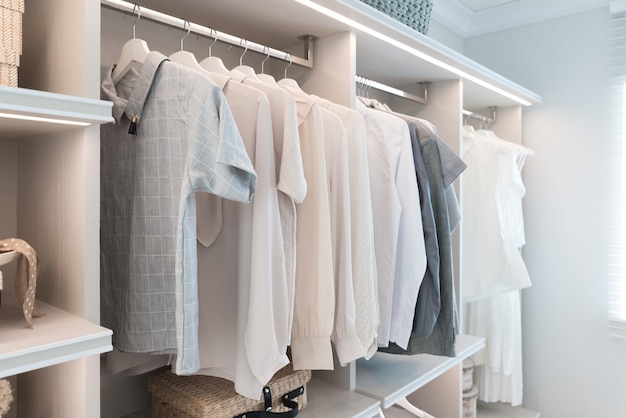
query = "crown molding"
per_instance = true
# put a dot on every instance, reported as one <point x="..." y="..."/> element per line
<point x="466" y="23"/>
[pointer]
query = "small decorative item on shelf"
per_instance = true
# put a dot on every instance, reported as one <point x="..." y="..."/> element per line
<point x="10" y="40"/>
<point x="26" y="276"/>
<point x="199" y="396"/>
<point x="6" y="397"/>
<point x="413" y="13"/>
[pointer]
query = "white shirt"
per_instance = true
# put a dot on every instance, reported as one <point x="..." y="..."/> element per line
<point x="289" y="175"/>
<point x="241" y="269"/>
<point x="314" y="301"/>
<point x="347" y="343"/>
<point x="398" y="233"/>
<point x="362" y="228"/>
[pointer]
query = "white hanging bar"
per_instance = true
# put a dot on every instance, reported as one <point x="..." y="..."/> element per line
<point x="172" y="21"/>
<point x="367" y="83"/>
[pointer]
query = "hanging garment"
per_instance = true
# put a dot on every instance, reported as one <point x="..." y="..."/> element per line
<point x="242" y="284"/>
<point x="289" y="174"/>
<point x="398" y="233"/>
<point x="314" y="303"/>
<point x="493" y="192"/>
<point x="362" y="228"/>
<point x="344" y="337"/>
<point x="429" y="297"/>
<point x="186" y="141"/>
<point x="493" y="268"/>
<point x="443" y="166"/>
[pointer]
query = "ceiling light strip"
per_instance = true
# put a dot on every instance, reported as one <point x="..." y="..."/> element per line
<point x="415" y="52"/>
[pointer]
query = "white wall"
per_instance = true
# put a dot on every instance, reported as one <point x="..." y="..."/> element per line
<point x="571" y="367"/>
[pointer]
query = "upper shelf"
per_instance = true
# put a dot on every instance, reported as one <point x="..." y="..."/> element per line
<point x="387" y="51"/>
<point x="56" y="338"/>
<point x="26" y="113"/>
<point x="390" y="377"/>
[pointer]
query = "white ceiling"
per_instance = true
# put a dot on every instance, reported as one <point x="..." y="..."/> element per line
<point x="477" y="17"/>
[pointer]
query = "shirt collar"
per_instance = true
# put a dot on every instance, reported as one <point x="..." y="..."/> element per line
<point x="130" y="93"/>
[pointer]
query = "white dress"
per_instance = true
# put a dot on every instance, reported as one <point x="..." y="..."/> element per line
<point x="493" y="268"/>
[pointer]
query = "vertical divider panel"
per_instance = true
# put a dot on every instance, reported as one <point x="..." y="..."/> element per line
<point x="333" y="78"/>
<point x="334" y="69"/>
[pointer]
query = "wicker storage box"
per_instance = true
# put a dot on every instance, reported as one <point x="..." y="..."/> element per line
<point x="10" y="40"/>
<point x="211" y="397"/>
<point x="413" y="13"/>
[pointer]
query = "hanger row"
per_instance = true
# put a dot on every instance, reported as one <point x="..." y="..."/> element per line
<point x="186" y="25"/>
<point x="484" y="120"/>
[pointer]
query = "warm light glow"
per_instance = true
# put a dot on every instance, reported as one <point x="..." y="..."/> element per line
<point x="42" y="119"/>
<point x="341" y="18"/>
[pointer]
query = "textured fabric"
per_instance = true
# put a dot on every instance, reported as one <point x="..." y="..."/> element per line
<point x="289" y="174"/>
<point x="25" y="277"/>
<point x="398" y="232"/>
<point x="242" y="286"/>
<point x="362" y="228"/>
<point x="314" y="300"/>
<point x="186" y="141"/>
<point x="442" y="340"/>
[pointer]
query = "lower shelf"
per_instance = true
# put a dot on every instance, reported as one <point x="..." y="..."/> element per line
<point x="497" y="410"/>
<point x="328" y="400"/>
<point x="390" y="377"/>
<point x="56" y="338"/>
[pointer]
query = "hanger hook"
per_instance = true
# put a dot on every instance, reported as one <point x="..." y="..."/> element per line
<point x="288" y="55"/>
<point x="245" y="43"/>
<point x="135" y="7"/>
<point x="187" y="25"/>
<point x="265" y="48"/>
<point x="214" y="32"/>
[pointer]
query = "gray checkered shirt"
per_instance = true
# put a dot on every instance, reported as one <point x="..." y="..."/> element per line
<point x="186" y="141"/>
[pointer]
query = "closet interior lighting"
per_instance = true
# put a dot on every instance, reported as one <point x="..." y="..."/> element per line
<point x="42" y="119"/>
<point x="400" y="45"/>
<point x="186" y="25"/>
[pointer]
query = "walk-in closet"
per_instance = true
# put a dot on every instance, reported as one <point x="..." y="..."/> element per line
<point x="344" y="54"/>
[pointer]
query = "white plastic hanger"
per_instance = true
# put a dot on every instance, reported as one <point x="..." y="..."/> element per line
<point x="289" y="82"/>
<point x="134" y="51"/>
<point x="266" y="78"/>
<point x="245" y="69"/>
<point x="213" y="64"/>
<point x="186" y="58"/>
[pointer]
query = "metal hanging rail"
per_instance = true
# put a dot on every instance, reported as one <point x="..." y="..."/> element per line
<point x="186" y="25"/>
<point x="483" y="119"/>
<point x="367" y="83"/>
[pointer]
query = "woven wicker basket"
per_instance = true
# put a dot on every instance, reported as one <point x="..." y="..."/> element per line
<point x="413" y="13"/>
<point x="212" y="397"/>
<point x="10" y="40"/>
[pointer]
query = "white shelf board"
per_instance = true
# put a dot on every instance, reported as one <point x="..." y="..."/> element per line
<point x="328" y="400"/>
<point x="56" y="338"/>
<point x="498" y="409"/>
<point x="390" y="377"/>
<point x="48" y="107"/>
